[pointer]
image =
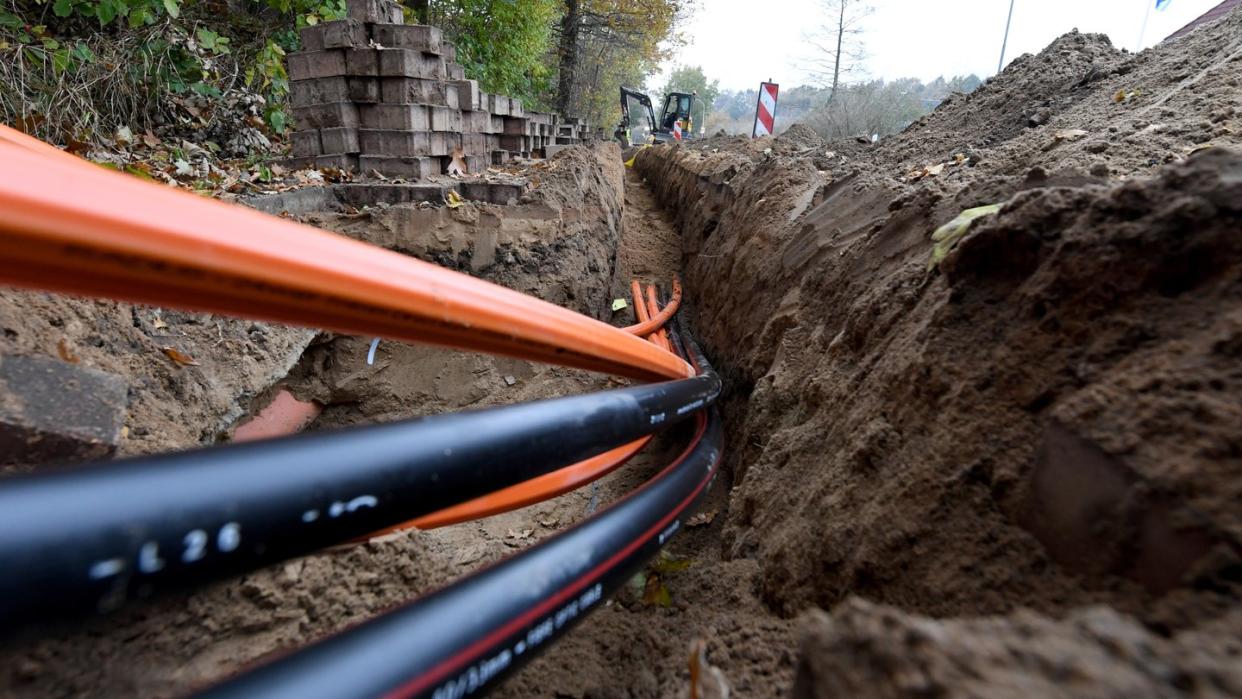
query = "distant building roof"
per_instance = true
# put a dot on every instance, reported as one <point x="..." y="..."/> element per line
<point x="1212" y="15"/>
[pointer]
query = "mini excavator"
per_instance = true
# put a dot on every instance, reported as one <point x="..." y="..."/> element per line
<point x="675" y="121"/>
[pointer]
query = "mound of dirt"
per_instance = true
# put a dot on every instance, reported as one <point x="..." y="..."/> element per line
<point x="1027" y="94"/>
<point x="1082" y="104"/>
<point x="867" y="650"/>
<point x="1047" y="418"/>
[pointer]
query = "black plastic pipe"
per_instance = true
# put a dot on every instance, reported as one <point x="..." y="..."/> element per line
<point x="463" y="639"/>
<point x="90" y="538"/>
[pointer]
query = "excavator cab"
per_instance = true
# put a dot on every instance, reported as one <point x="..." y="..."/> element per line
<point x="677" y="111"/>
<point x="675" y="120"/>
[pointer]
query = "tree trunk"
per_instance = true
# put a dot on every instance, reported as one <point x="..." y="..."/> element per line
<point x="568" y="56"/>
<point x="836" y="61"/>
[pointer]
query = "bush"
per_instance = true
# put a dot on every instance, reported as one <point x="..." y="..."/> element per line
<point x="74" y="68"/>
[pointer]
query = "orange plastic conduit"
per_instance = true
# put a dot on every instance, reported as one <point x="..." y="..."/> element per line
<point x="538" y="489"/>
<point x="659" y="337"/>
<point x="657" y="321"/>
<point x="640" y="306"/>
<point x="69" y="226"/>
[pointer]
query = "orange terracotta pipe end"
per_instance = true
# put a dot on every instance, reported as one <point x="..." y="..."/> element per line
<point x="285" y="415"/>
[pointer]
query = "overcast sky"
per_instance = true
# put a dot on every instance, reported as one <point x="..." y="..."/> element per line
<point x="742" y="42"/>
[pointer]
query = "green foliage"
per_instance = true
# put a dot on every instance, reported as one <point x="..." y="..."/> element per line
<point x="308" y="13"/>
<point x="74" y="66"/>
<point x="502" y="43"/>
<point x="619" y="42"/>
<point x="68" y="15"/>
<point x="267" y="75"/>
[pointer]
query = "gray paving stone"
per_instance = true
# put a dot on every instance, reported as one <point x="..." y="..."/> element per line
<point x="54" y="411"/>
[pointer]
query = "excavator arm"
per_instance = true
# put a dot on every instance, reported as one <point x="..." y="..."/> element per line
<point x="623" y="129"/>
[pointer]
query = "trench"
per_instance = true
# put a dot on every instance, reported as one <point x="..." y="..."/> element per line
<point x="590" y="228"/>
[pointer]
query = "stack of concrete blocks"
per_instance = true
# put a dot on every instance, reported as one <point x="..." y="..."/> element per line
<point x="371" y="93"/>
<point x="571" y="131"/>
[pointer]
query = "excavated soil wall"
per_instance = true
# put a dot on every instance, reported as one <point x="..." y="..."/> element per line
<point x="557" y="242"/>
<point x="1043" y="414"/>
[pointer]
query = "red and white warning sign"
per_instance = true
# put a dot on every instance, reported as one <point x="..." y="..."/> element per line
<point x="677" y="129"/>
<point x="765" y="111"/>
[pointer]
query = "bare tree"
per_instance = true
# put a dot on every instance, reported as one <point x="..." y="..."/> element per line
<point x="837" y="43"/>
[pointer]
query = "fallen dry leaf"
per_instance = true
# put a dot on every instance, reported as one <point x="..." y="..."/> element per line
<point x="179" y="357"/>
<point x="701" y="519"/>
<point x="63" y="349"/>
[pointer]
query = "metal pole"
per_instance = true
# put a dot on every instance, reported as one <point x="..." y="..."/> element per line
<point x="1005" y="43"/>
<point x="1143" y="30"/>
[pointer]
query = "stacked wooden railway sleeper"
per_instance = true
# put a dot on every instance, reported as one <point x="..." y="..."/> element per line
<point x="373" y="94"/>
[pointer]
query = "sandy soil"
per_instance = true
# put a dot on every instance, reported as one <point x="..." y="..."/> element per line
<point x="1046" y="419"/>
<point x="1025" y="453"/>
<point x="170" y="405"/>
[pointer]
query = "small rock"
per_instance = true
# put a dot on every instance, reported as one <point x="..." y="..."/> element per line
<point x="28" y="670"/>
<point x="509" y="380"/>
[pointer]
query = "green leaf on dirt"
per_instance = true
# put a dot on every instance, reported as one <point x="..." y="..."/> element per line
<point x="61" y="60"/>
<point x="667" y="564"/>
<point x="106" y="12"/>
<point x="63" y="8"/>
<point x="172" y="8"/>
<point x="83" y="53"/>
<point x="947" y="236"/>
<point x="137" y="171"/>
<point x="618" y="304"/>
<point x="655" y="592"/>
<point x="278" y="120"/>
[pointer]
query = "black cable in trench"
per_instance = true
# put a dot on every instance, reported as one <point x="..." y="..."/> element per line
<point x="88" y="539"/>
<point x="463" y="639"/>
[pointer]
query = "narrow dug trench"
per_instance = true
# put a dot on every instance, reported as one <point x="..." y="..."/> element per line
<point x="1006" y="464"/>
<point x="575" y="239"/>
